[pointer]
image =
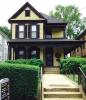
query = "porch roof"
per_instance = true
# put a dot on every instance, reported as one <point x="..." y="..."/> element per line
<point x="67" y="44"/>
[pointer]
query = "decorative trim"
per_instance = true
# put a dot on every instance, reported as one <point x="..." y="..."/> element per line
<point x="27" y="21"/>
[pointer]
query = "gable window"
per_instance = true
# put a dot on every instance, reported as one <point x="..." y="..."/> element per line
<point x="21" y="31"/>
<point x="33" y="31"/>
<point x="27" y="13"/>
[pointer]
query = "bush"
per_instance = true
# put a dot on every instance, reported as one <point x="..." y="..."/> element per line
<point x="23" y="79"/>
<point x="84" y="68"/>
<point x="34" y="61"/>
<point x="70" y="64"/>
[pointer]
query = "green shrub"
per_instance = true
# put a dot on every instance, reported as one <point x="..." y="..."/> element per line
<point x="84" y="68"/>
<point x="23" y="79"/>
<point x="70" y="64"/>
<point x="34" y="61"/>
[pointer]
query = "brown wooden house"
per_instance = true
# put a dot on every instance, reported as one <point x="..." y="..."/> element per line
<point x="38" y="35"/>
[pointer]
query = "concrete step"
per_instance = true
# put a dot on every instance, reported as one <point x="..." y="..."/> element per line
<point x="62" y="99"/>
<point x="68" y="89"/>
<point x="62" y="95"/>
<point x="51" y="70"/>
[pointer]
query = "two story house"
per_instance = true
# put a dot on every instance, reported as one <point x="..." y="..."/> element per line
<point x="80" y="50"/>
<point x="3" y="46"/>
<point x="38" y="35"/>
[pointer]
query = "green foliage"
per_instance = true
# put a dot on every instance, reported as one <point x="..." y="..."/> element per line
<point x="70" y="64"/>
<point x="23" y="79"/>
<point x="84" y="68"/>
<point x="5" y="30"/>
<point x="34" y="61"/>
<point x="72" y="16"/>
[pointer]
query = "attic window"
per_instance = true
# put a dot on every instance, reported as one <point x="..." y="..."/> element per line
<point x="27" y="12"/>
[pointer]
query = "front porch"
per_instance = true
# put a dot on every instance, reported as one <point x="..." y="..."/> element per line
<point x="44" y="49"/>
<point x="46" y="54"/>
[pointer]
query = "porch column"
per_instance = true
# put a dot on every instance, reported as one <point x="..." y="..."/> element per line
<point x="26" y="52"/>
<point x="13" y="53"/>
<point x="9" y="52"/>
<point x="41" y="53"/>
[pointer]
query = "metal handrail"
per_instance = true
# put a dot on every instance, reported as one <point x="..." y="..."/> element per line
<point x="82" y="72"/>
<point x="81" y="76"/>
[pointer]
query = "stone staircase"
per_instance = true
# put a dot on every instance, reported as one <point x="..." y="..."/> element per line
<point x="60" y="91"/>
<point x="51" y="70"/>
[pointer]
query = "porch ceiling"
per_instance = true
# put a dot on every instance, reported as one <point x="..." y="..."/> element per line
<point x="67" y="44"/>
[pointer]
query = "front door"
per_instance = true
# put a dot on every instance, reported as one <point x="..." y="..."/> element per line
<point x="49" y="57"/>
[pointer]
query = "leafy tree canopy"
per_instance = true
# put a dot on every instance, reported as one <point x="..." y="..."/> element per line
<point x="5" y="30"/>
<point x="72" y="16"/>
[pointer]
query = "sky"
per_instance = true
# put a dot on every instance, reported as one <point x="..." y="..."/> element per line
<point x="9" y="7"/>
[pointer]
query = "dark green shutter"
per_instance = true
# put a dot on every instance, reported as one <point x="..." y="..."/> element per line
<point x="38" y="29"/>
<point x="29" y="31"/>
<point x="17" y="31"/>
<point x="25" y="31"/>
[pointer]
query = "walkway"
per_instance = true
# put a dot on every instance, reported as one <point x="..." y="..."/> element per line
<point x="59" y="87"/>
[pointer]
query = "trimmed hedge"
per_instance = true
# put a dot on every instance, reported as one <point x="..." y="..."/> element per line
<point x="23" y="79"/>
<point x="34" y="61"/>
<point x="84" y="68"/>
<point x="70" y="64"/>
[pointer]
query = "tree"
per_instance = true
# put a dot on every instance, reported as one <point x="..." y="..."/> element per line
<point x="5" y="30"/>
<point x="72" y="16"/>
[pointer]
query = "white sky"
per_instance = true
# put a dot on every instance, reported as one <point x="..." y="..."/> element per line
<point x="9" y="7"/>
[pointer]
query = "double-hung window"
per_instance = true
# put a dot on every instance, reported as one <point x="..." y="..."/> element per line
<point x="21" y="31"/>
<point x="33" y="31"/>
<point x="27" y="31"/>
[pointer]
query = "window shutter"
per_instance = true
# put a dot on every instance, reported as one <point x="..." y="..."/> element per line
<point x="29" y="31"/>
<point x="38" y="29"/>
<point x="38" y="53"/>
<point x="29" y="53"/>
<point x="25" y="31"/>
<point x="17" y="31"/>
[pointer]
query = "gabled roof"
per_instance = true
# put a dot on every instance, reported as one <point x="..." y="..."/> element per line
<point x="23" y="7"/>
<point x="51" y="19"/>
